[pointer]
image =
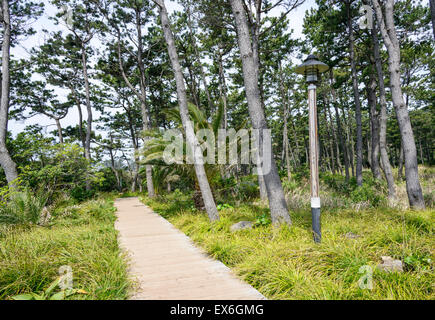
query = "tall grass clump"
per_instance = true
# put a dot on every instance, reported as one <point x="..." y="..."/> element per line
<point x="81" y="236"/>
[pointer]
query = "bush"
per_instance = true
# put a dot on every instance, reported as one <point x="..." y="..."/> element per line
<point x="247" y="190"/>
<point x="22" y="207"/>
<point x="80" y="193"/>
<point x="367" y="194"/>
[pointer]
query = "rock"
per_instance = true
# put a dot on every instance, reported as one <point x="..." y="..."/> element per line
<point x="241" y="226"/>
<point x="351" y="235"/>
<point x="390" y="265"/>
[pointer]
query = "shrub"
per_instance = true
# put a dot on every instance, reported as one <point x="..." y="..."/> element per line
<point x="247" y="190"/>
<point x="80" y="193"/>
<point x="367" y="193"/>
<point x="22" y="207"/>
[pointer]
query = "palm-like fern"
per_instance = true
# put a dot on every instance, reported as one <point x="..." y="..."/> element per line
<point x="155" y="146"/>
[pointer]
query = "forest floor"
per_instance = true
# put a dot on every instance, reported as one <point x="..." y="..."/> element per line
<point x="284" y="263"/>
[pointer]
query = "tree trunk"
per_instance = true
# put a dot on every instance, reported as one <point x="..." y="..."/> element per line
<point x="277" y="202"/>
<point x="336" y="143"/>
<point x="285" y="114"/>
<point x="143" y="100"/>
<point x="223" y="89"/>
<point x="359" y="178"/>
<point x="79" y="109"/>
<point x="386" y="166"/>
<point x="88" y="105"/>
<point x="374" y="120"/>
<point x="388" y="30"/>
<point x="8" y="165"/>
<point x="112" y="165"/>
<point x="187" y="125"/>
<point x="400" y="163"/>
<point x="59" y="130"/>
<point x="339" y="128"/>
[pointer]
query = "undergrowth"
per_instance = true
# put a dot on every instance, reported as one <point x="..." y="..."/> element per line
<point x="284" y="263"/>
<point x="80" y="236"/>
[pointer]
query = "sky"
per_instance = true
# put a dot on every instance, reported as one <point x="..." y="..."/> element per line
<point x="296" y="18"/>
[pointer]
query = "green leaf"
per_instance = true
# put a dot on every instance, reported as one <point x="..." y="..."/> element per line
<point x="26" y="296"/>
<point x="52" y="286"/>
<point x="58" y="296"/>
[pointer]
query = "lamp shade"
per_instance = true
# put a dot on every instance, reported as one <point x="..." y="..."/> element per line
<point x="312" y="63"/>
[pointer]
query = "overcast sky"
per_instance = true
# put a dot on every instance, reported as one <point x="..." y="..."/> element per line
<point x="22" y="51"/>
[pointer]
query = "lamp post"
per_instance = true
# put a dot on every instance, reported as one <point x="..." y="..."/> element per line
<point x="312" y="68"/>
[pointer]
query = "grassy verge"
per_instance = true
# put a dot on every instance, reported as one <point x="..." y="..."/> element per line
<point x="80" y="236"/>
<point x="285" y="263"/>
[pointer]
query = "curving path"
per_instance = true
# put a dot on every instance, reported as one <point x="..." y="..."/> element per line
<point x="167" y="265"/>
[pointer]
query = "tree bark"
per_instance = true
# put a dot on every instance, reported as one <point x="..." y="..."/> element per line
<point x="112" y="164"/>
<point x="374" y="120"/>
<point x="88" y="105"/>
<point x="356" y="96"/>
<point x="187" y="125"/>
<point x="79" y="109"/>
<point x="388" y="31"/>
<point x="59" y="130"/>
<point x="386" y="166"/>
<point x="285" y="115"/>
<point x="223" y="89"/>
<point x="277" y="202"/>
<point x="8" y="165"/>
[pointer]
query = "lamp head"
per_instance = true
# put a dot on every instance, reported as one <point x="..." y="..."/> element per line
<point x="312" y="68"/>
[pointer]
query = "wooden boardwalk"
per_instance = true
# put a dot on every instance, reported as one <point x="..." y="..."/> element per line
<point x="166" y="264"/>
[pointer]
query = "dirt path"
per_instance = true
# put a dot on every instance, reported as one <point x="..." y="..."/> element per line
<point x="166" y="263"/>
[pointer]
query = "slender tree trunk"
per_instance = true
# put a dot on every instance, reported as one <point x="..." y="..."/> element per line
<point x="59" y="130"/>
<point x="335" y="142"/>
<point x="339" y="128"/>
<point x="8" y="165"/>
<point x="329" y="145"/>
<point x="182" y="100"/>
<point x="89" y="110"/>
<point x="386" y="166"/>
<point x="79" y="109"/>
<point x="112" y="165"/>
<point x="388" y="30"/>
<point x="277" y="202"/>
<point x="295" y="138"/>
<point x="374" y="120"/>
<point x="223" y="89"/>
<point x="348" y="142"/>
<point x="359" y="178"/>
<point x="88" y="105"/>
<point x="285" y="115"/>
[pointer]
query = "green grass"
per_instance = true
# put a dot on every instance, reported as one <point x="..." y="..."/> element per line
<point x="284" y="263"/>
<point x="81" y="236"/>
